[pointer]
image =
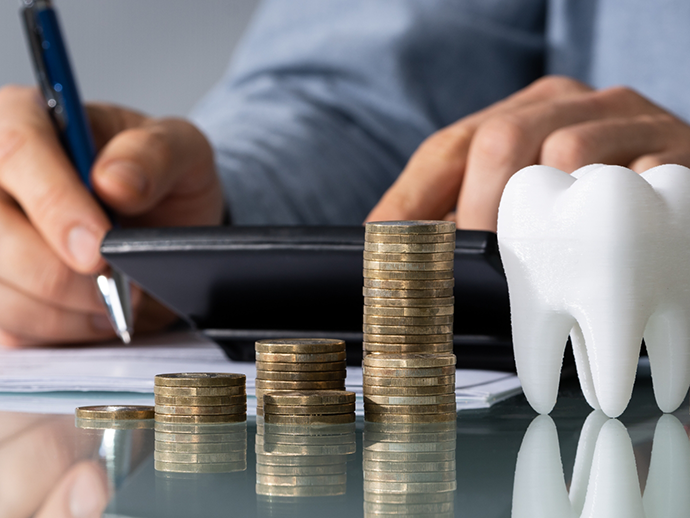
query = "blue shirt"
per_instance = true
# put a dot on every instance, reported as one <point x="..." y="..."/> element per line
<point x="325" y="100"/>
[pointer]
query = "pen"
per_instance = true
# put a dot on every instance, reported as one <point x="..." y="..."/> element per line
<point x="59" y="87"/>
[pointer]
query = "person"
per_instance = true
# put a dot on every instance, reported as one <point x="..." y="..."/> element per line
<point x="325" y="104"/>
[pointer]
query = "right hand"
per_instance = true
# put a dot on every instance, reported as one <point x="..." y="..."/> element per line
<point x="150" y="172"/>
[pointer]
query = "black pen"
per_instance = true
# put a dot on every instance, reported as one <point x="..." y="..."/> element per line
<point x="59" y="88"/>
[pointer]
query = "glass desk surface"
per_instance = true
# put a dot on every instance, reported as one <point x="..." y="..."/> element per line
<point x="500" y="462"/>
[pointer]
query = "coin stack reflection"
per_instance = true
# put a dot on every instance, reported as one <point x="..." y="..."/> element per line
<point x="200" y="448"/>
<point x="409" y="469"/>
<point x="302" y="461"/>
<point x="298" y="364"/>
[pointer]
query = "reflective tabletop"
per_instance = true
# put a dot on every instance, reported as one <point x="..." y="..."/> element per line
<point x="501" y="462"/>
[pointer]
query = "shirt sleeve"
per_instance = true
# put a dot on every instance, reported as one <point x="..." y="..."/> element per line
<point x="325" y="100"/>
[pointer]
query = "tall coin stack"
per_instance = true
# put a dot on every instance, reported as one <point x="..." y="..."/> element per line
<point x="290" y="365"/>
<point x="409" y="469"/>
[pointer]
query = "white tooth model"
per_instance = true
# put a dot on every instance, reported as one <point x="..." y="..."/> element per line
<point x="605" y="482"/>
<point x="602" y="255"/>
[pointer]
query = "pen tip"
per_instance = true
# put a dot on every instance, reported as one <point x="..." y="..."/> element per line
<point x="125" y="336"/>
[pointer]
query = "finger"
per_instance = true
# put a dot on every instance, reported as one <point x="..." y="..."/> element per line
<point x="10" y="341"/>
<point x="33" y="320"/>
<point x="512" y="140"/>
<point x="81" y="493"/>
<point x="167" y="164"/>
<point x="36" y="173"/>
<point x="613" y="141"/>
<point x="428" y="187"/>
<point x="108" y="120"/>
<point x="641" y="164"/>
<point x="30" y="266"/>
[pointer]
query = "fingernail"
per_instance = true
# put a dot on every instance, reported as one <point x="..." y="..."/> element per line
<point x="86" y="499"/>
<point x="101" y="323"/>
<point x="127" y="174"/>
<point x="83" y="246"/>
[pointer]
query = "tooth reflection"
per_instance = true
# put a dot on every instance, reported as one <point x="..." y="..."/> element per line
<point x="605" y="481"/>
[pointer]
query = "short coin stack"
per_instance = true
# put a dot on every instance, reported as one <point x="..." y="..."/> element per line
<point x="288" y="365"/>
<point x="408" y="287"/>
<point x="302" y="461"/>
<point x="409" y="469"/>
<point x="306" y="408"/>
<point x="409" y="388"/>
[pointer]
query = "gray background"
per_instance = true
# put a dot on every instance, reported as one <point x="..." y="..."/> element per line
<point x="158" y="56"/>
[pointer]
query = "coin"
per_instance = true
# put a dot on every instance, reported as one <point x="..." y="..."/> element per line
<point x="301" y="376"/>
<point x="408" y="339"/>
<point x="210" y="447"/>
<point x="398" y="447"/>
<point x="201" y="410"/>
<point x="372" y="390"/>
<point x="306" y="419"/>
<point x="409" y="248"/>
<point x="408" y="321"/>
<point x="300" y="345"/>
<point x="202" y="400"/>
<point x="307" y="410"/>
<point x="388" y="476"/>
<point x="372" y="329"/>
<point x="410" y="361"/>
<point x="403" y="372"/>
<point x="409" y="498"/>
<point x="324" y="397"/>
<point x="109" y="424"/>
<point x="201" y="438"/>
<point x="396" y="284"/>
<point x="408" y="467"/>
<point x="410" y="418"/>
<point x="407" y="275"/>
<point x="295" y="481"/>
<point x="409" y="487"/>
<point x="298" y="460"/>
<point x="201" y="419"/>
<point x="334" y="430"/>
<point x="301" y="491"/>
<point x="410" y="227"/>
<point x="413" y="428"/>
<point x="410" y="312"/>
<point x="374" y="237"/>
<point x="448" y="436"/>
<point x="196" y="458"/>
<point x="295" y="449"/>
<point x="236" y="390"/>
<point x="115" y="412"/>
<point x="398" y="266"/>
<point x="426" y="257"/>
<point x="375" y="408"/>
<point x="407" y="294"/>
<point x="230" y="429"/>
<point x="299" y="385"/>
<point x="409" y="400"/>
<point x="435" y="510"/>
<point x="222" y="467"/>
<point x="300" y="367"/>
<point x="308" y="440"/>
<point x="300" y="358"/>
<point x="409" y="381"/>
<point x="409" y="303"/>
<point x="302" y="471"/>
<point x="411" y="456"/>
<point x="200" y="379"/>
<point x="408" y="348"/>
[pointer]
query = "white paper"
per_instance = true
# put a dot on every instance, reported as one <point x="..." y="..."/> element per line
<point x="57" y="380"/>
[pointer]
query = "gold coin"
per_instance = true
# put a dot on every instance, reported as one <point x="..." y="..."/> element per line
<point x="302" y="471"/>
<point x="323" y="397"/>
<point x="409" y="381"/>
<point x="426" y="257"/>
<point x="410" y="498"/>
<point x="201" y="419"/>
<point x="301" y="491"/>
<point x="408" y="348"/>
<point x="407" y="275"/>
<point x="408" y="467"/>
<point x="308" y="440"/>
<point x="295" y="481"/>
<point x="222" y="467"/>
<point x="409" y="248"/>
<point x="407" y="294"/>
<point x="373" y="237"/>
<point x="295" y="449"/>
<point x="305" y="419"/>
<point x="409" y="487"/>
<point x="300" y="358"/>
<point x="399" y="266"/>
<point x="410" y="361"/>
<point x="109" y="424"/>
<point x="230" y="429"/>
<point x="372" y="329"/>
<point x="200" y="379"/>
<point x="201" y="410"/>
<point x="387" y="476"/>
<point x="200" y="438"/>
<point x="300" y="385"/>
<point x="281" y="459"/>
<point x="115" y="412"/>
<point x="237" y="390"/>
<point x="439" y="510"/>
<point x="301" y="376"/>
<point x="408" y="339"/>
<point x="300" y="367"/>
<point x="374" y="408"/>
<point x="204" y="447"/>
<point x="398" y="447"/>
<point x="409" y="400"/>
<point x="307" y="410"/>
<point x="393" y="284"/>
<point x="425" y="312"/>
<point x="413" y="428"/>
<point x="408" y="321"/>
<point x="410" y="456"/>
<point x="310" y="431"/>
<point x="202" y="400"/>
<point x="372" y="390"/>
<point x="411" y="372"/>
<point x="197" y="458"/>
<point x="409" y="303"/>
<point x="300" y="345"/>
<point x="424" y="437"/>
<point x="410" y="418"/>
<point x="410" y="227"/>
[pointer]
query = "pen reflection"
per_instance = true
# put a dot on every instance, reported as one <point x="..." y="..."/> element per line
<point x="605" y="479"/>
<point x="409" y="469"/>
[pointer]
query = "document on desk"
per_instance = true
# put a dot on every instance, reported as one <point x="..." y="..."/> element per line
<point x="56" y="380"/>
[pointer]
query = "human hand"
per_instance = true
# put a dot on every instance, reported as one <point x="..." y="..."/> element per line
<point x="150" y="172"/>
<point x="556" y="121"/>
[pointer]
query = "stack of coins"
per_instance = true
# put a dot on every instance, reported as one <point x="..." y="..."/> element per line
<point x="408" y="287"/>
<point x="409" y="469"/>
<point x="200" y="448"/>
<point x="305" y="408"/>
<point x="409" y="388"/>
<point x="302" y="461"/>
<point x="200" y="398"/>
<point x="298" y="364"/>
